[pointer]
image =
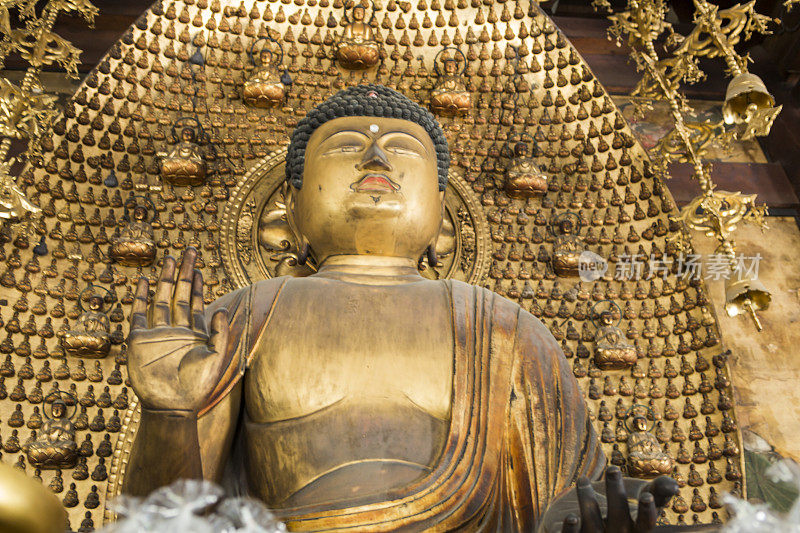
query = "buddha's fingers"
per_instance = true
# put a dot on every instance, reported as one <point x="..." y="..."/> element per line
<point x="219" y="331"/>
<point x="571" y="524"/>
<point x="139" y="308"/>
<point x="591" y="517"/>
<point x="663" y="488"/>
<point x="618" y="515"/>
<point x="197" y="305"/>
<point x="647" y="515"/>
<point x="163" y="298"/>
<point x="181" y="305"/>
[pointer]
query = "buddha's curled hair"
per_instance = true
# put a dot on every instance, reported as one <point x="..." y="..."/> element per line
<point x="366" y="101"/>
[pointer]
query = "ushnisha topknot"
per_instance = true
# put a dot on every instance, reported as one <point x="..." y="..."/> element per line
<point x="366" y="101"/>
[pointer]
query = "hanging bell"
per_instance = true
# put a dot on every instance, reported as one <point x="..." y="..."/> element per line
<point x="746" y="296"/>
<point x="746" y="93"/>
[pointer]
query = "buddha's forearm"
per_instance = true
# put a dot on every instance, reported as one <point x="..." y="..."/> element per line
<point x="166" y="449"/>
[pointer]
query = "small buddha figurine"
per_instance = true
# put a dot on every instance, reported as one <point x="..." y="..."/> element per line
<point x="568" y="246"/>
<point x="646" y="458"/>
<point x="135" y="246"/>
<point x="524" y="178"/>
<point x="611" y="352"/>
<point x="90" y="336"/>
<point x="357" y="48"/>
<point x="450" y="96"/>
<point x="56" y="446"/>
<point x="265" y="87"/>
<point x="184" y="165"/>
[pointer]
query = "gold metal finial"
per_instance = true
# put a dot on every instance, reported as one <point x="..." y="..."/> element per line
<point x="747" y="296"/>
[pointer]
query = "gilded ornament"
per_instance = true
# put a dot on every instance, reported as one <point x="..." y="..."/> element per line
<point x="265" y="87"/>
<point x="55" y="447"/>
<point x="524" y="176"/>
<point x="135" y="246"/>
<point x="185" y="165"/>
<point x="745" y="96"/>
<point x="568" y="246"/>
<point x="611" y="351"/>
<point x="90" y="338"/>
<point x="646" y="458"/>
<point x="357" y="48"/>
<point x="449" y="96"/>
<point x="746" y="296"/>
<point x="14" y="205"/>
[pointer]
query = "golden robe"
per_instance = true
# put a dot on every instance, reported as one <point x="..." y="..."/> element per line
<point x="519" y="431"/>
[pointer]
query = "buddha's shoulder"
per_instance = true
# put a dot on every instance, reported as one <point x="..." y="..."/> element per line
<point x="464" y="289"/>
<point x="527" y="324"/>
<point x="260" y="291"/>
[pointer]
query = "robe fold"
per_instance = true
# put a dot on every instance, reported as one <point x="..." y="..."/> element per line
<point x="519" y="431"/>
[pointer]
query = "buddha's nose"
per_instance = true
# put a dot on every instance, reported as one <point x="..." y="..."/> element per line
<point x="374" y="159"/>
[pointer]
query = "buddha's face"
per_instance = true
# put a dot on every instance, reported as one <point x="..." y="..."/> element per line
<point x="96" y="303"/>
<point x="639" y="423"/>
<point x="370" y="187"/>
<point x="139" y="213"/>
<point x="265" y="58"/>
<point x="59" y="409"/>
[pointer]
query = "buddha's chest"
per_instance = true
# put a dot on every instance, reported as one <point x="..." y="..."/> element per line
<point x="368" y="348"/>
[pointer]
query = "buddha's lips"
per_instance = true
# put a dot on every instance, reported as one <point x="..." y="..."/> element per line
<point x="375" y="183"/>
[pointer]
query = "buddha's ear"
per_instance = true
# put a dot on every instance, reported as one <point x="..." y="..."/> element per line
<point x="430" y="251"/>
<point x="289" y="198"/>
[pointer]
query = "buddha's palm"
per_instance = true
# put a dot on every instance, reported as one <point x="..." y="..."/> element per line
<point x="174" y="362"/>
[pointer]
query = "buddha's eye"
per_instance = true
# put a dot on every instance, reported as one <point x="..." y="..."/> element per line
<point x="344" y="148"/>
<point x="402" y="151"/>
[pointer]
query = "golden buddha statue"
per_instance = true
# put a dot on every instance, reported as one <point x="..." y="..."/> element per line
<point x="135" y="245"/>
<point x="55" y="446"/>
<point x="524" y="178"/>
<point x="184" y="164"/>
<point x="611" y="352"/>
<point x="450" y="96"/>
<point x="91" y="337"/>
<point x="569" y="247"/>
<point x="326" y="396"/>
<point x="357" y="48"/>
<point x="265" y="87"/>
<point x="646" y="458"/>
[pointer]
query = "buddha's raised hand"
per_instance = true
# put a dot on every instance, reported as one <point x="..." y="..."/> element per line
<point x="174" y="361"/>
